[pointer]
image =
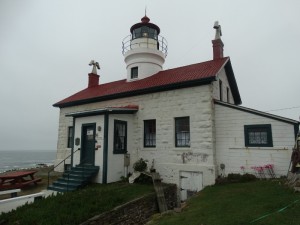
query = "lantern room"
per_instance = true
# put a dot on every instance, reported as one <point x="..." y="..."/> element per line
<point x="144" y="50"/>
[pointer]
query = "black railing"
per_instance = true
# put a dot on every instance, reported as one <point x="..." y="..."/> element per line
<point x="82" y="172"/>
<point x="68" y="172"/>
<point x="128" y="45"/>
<point x="63" y="161"/>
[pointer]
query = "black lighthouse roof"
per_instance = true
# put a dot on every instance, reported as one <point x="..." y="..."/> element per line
<point x="145" y="22"/>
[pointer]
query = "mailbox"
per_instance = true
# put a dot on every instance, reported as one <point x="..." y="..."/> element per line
<point x="77" y="141"/>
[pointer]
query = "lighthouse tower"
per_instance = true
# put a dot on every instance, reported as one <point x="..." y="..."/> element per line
<point x="144" y="50"/>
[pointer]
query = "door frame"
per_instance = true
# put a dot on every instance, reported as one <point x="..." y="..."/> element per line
<point x="84" y="125"/>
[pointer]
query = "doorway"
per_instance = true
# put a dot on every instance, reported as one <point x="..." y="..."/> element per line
<point x="190" y="184"/>
<point x="87" y="156"/>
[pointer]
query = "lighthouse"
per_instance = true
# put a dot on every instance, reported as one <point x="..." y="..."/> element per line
<point x="144" y="50"/>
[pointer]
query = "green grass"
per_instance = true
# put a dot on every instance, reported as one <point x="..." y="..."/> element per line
<point x="75" y="207"/>
<point x="238" y="204"/>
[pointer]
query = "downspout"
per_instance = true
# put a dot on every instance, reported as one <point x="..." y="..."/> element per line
<point x="296" y="129"/>
<point x="105" y="148"/>
<point x="73" y="142"/>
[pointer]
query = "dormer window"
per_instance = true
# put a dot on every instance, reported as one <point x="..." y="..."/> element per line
<point x="134" y="72"/>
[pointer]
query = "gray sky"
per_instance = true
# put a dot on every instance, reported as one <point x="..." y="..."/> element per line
<point x="45" y="48"/>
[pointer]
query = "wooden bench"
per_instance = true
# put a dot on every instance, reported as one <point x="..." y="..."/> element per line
<point x="18" y="179"/>
<point x="31" y="181"/>
<point x="13" y="193"/>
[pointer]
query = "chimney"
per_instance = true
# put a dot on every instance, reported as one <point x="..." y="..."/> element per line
<point x="93" y="76"/>
<point x="217" y="42"/>
<point x="218" y="48"/>
<point x="93" y="80"/>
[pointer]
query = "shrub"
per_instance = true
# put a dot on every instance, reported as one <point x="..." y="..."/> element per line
<point x="247" y="177"/>
<point x="235" y="178"/>
<point x="140" y="165"/>
<point x="143" y="179"/>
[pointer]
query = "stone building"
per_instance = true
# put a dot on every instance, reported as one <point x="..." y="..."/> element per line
<point x="186" y="121"/>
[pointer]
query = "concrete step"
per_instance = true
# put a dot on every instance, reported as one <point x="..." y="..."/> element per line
<point x="61" y="189"/>
<point x="75" y="178"/>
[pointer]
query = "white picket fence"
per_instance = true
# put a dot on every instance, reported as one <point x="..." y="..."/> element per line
<point x="9" y="204"/>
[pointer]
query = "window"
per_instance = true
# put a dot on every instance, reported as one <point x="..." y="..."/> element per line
<point x="134" y="72"/>
<point x="149" y="133"/>
<point x="182" y="132"/>
<point x="120" y="137"/>
<point x="221" y="90"/>
<point x="70" y="137"/>
<point x="145" y="32"/>
<point x="258" y="135"/>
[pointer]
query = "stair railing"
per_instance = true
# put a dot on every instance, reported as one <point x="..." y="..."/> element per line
<point x="82" y="161"/>
<point x="63" y="161"/>
<point x="82" y="174"/>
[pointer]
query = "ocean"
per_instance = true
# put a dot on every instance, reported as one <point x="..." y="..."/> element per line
<point x="15" y="160"/>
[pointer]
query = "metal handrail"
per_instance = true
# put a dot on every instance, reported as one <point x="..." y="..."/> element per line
<point x="82" y="174"/>
<point x="127" y="44"/>
<point x="63" y="161"/>
<point x="68" y="172"/>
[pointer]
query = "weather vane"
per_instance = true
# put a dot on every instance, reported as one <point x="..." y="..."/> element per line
<point x="95" y="66"/>
<point x="218" y="30"/>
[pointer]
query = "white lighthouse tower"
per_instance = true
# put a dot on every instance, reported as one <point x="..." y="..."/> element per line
<point x="144" y="50"/>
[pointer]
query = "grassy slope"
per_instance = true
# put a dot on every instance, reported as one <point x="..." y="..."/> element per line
<point x="237" y="204"/>
<point x="75" y="207"/>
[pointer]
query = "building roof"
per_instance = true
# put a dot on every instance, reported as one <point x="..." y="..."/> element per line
<point x="129" y="109"/>
<point x="181" y="77"/>
<point x="145" y="22"/>
<point x="259" y="113"/>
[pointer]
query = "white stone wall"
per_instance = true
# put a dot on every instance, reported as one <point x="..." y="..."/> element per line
<point x="62" y="150"/>
<point x="115" y="165"/>
<point x="230" y="142"/>
<point x="216" y="93"/>
<point x="195" y="102"/>
<point x="149" y="61"/>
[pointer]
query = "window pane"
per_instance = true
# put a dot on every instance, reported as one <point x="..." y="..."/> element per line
<point x="120" y="137"/>
<point x="70" y="137"/>
<point x="182" y="130"/>
<point x="258" y="135"/>
<point x="134" y="72"/>
<point x="149" y="133"/>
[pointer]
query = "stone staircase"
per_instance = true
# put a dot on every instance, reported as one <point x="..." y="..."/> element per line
<point x="74" y="178"/>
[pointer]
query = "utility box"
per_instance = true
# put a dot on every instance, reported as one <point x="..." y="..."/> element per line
<point x="126" y="159"/>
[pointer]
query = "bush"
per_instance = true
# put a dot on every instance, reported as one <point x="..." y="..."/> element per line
<point x="143" y="179"/>
<point x="235" y="178"/>
<point x="247" y="177"/>
<point x="140" y="165"/>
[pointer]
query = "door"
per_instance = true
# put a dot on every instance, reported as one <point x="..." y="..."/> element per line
<point x="88" y="144"/>
<point x="190" y="183"/>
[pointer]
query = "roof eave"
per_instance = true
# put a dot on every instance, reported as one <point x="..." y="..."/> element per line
<point x="232" y="82"/>
<point x="101" y="112"/>
<point x="257" y="112"/>
<point x="167" y="87"/>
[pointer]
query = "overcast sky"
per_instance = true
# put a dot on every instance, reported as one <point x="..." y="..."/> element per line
<point x="45" y="48"/>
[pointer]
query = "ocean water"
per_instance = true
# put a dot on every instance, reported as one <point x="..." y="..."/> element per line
<point x="14" y="160"/>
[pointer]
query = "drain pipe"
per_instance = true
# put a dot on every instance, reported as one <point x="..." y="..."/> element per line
<point x="126" y="164"/>
<point x="105" y="148"/>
